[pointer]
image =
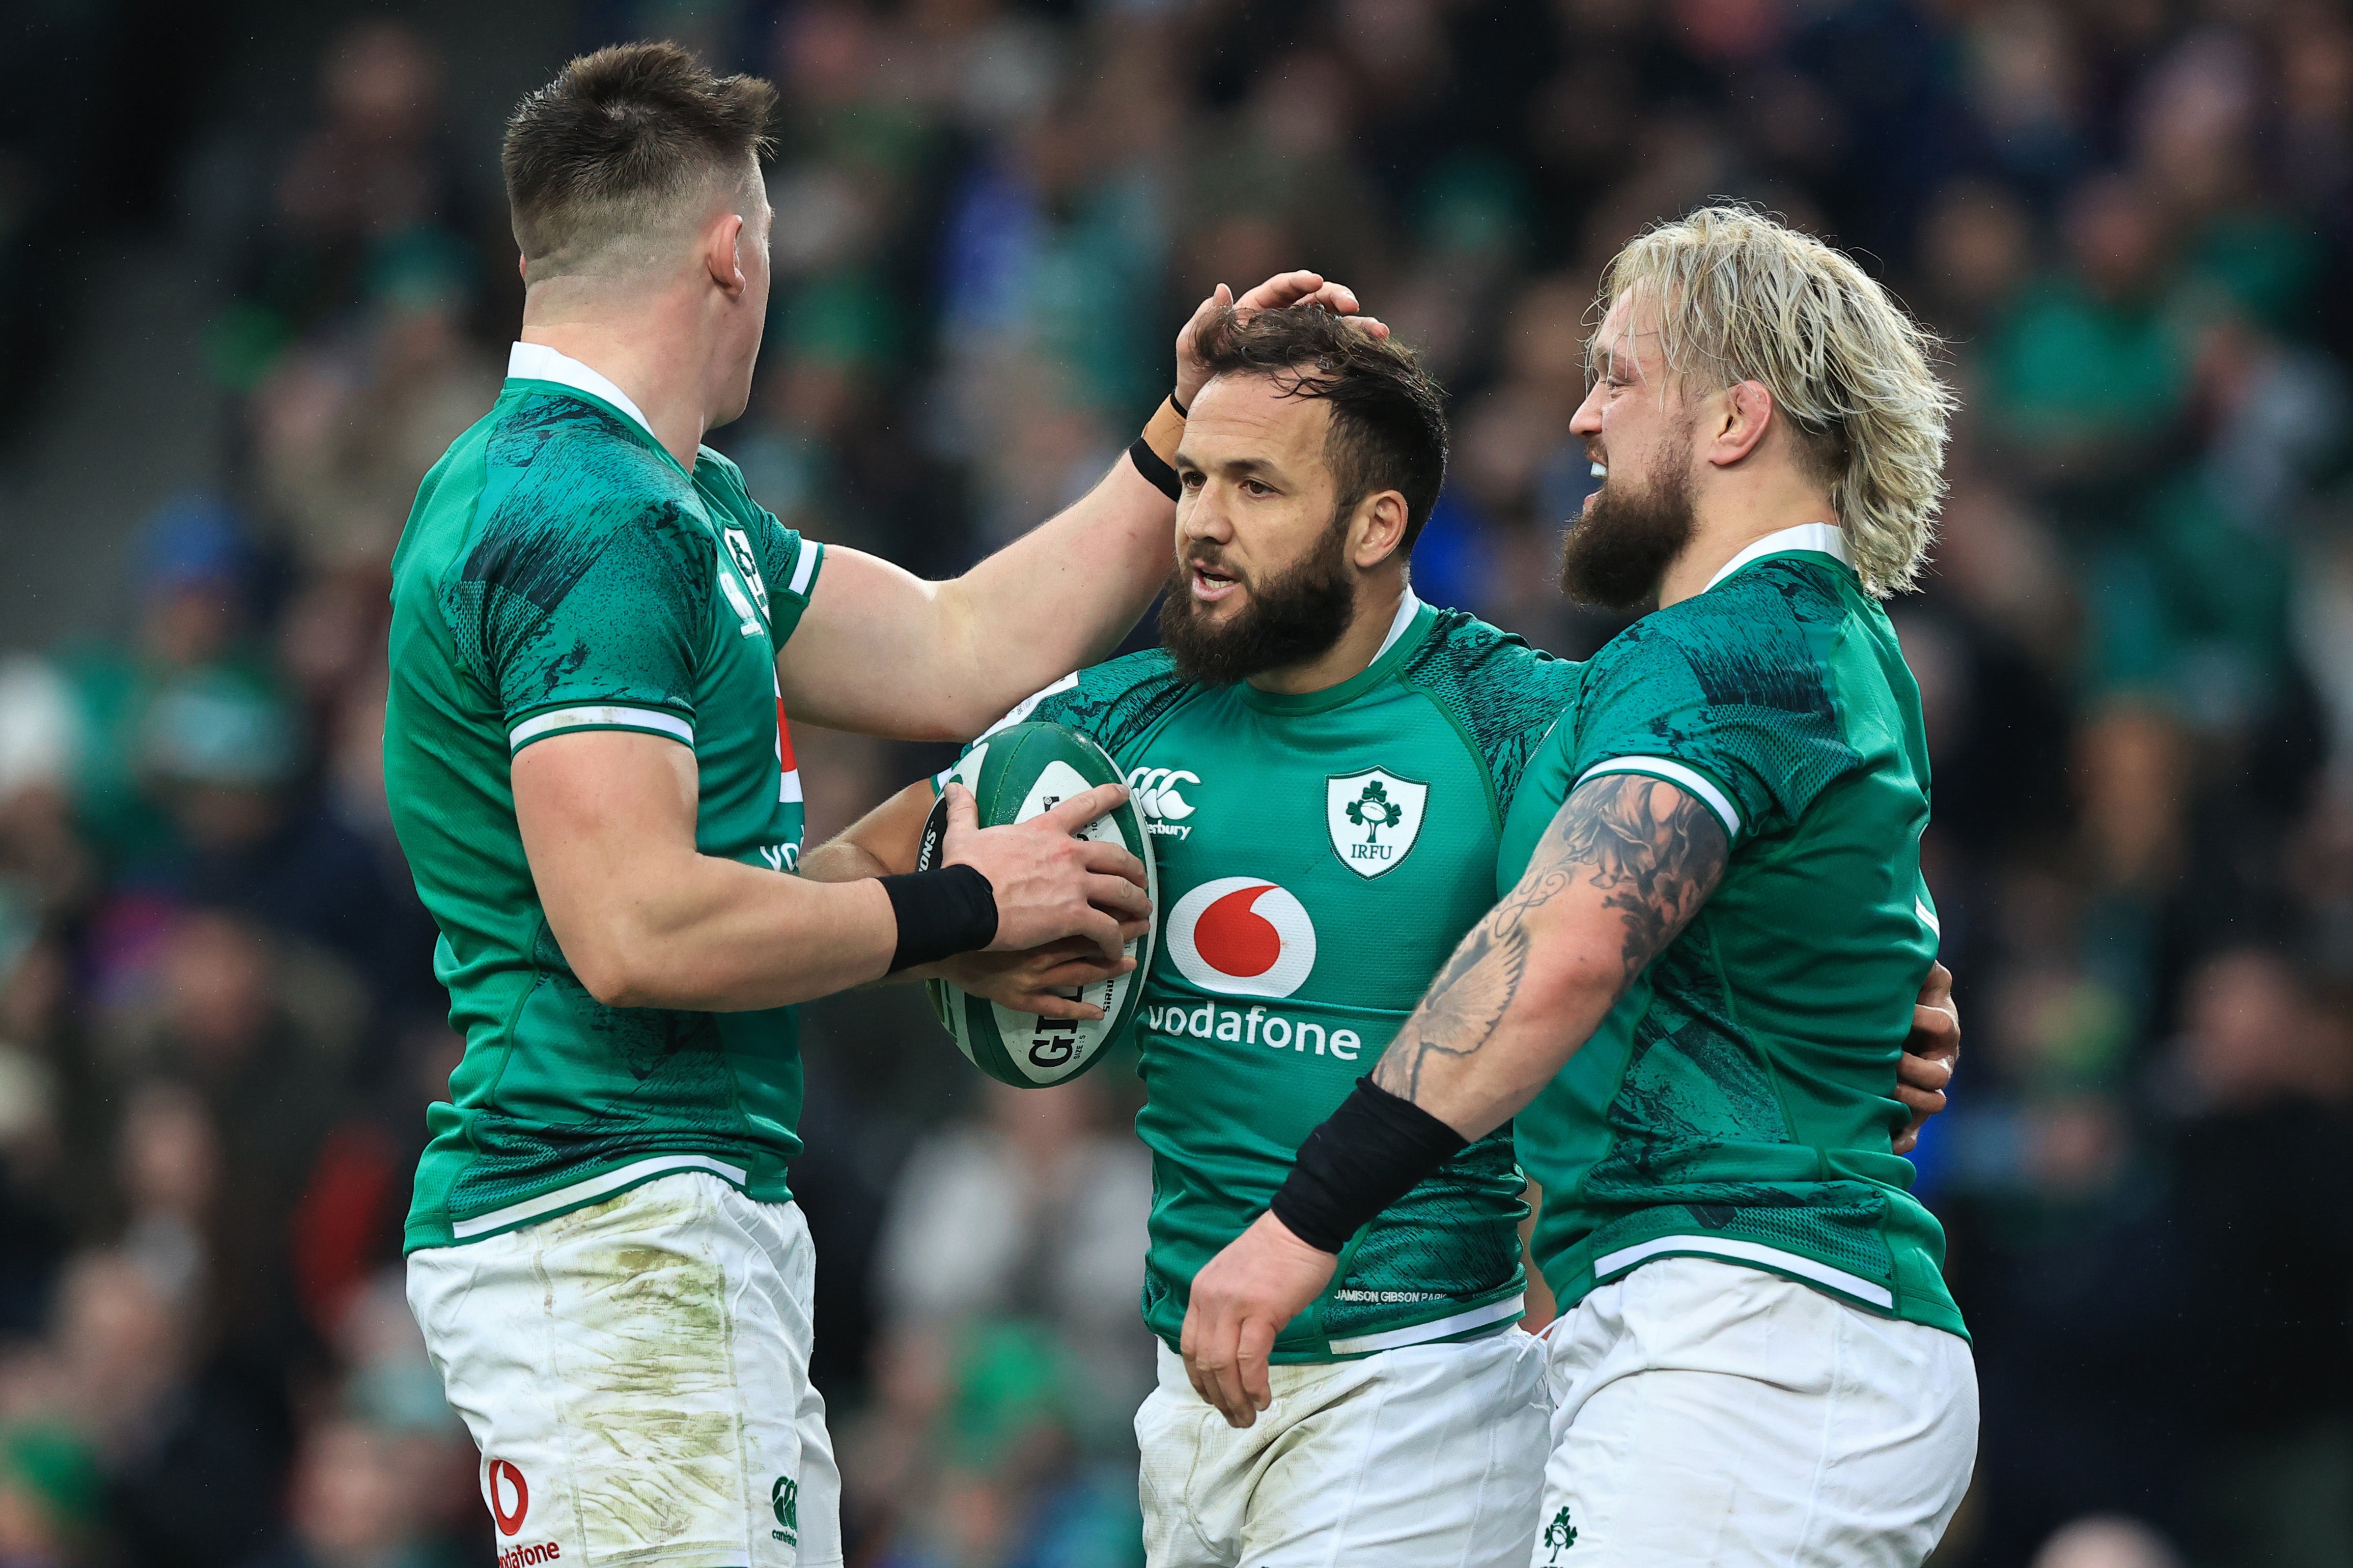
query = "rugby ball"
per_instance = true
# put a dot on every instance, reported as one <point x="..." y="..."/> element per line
<point x="1014" y="773"/>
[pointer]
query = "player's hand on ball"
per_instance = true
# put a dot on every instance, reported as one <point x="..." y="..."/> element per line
<point x="1049" y="884"/>
<point x="1033" y="981"/>
<point x="1241" y="1301"/>
<point x="1931" y="1053"/>
<point x="1282" y="289"/>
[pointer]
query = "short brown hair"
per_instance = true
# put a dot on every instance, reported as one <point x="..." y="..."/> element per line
<point x="1388" y="415"/>
<point x="615" y="147"/>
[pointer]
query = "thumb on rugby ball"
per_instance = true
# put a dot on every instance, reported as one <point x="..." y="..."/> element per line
<point x="963" y="817"/>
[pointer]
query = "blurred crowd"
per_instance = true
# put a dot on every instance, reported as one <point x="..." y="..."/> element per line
<point x="2133" y="222"/>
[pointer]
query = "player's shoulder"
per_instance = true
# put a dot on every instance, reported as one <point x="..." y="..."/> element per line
<point x="1501" y="694"/>
<point x="1757" y="639"/>
<point x="717" y="475"/>
<point x="1463" y="650"/>
<point x="1112" y="703"/>
<point x="549" y="447"/>
<point x="1488" y="680"/>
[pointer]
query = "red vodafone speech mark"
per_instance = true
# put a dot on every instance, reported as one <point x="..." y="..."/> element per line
<point x="508" y="1523"/>
<point x="1235" y="938"/>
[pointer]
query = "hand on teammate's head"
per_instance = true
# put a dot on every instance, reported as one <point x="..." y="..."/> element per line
<point x="1302" y="287"/>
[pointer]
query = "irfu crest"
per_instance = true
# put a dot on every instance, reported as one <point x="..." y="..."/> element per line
<point x="1561" y="1536"/>
<point x="747" y="565"/>
<point x="1374" y="816"/>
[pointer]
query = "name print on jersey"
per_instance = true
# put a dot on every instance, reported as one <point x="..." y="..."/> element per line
<point x="1374" y="816"/>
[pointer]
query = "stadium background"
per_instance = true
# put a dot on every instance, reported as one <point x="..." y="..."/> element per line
<point x="254" y="274"/>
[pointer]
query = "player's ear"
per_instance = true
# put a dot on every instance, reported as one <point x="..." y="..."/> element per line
<point x="1746" y="412"/>
<point x="1378" y="529"/>
<point x="723" y="254"/>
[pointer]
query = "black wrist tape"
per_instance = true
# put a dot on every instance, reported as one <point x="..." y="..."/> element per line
<point x="1182" y="412"/>
<point x="941" y="913"/>
<point x="1366" y="1155"/>
<point x="1147" y="463"/>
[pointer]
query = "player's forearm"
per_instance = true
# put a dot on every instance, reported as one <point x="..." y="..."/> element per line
<point x="884" y="842"/>
<point x="1623" y="868"/>
<point x="1058" y="598"/>
<point x="840" y="859"/>
<point x="1520" y="996"/>
<point x="716" y="936"/>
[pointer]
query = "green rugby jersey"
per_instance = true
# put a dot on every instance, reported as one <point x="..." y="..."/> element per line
<point x="562" y="573"/>
<point x="1320" y="855"/>
<point x="1736" y="1103"/>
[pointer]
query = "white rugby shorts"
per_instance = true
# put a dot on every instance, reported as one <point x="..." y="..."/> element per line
<point x="636" y="1374"/>
<point x="1427" y="1456"/>
<point x="1703" y="1411"/>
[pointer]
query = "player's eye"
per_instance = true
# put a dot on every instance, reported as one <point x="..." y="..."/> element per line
<point x="1258" y="486"/>
<point x="1191" y="478"/>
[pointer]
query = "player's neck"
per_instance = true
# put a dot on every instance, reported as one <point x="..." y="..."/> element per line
<point x="1736" y="516"/>
<point x="1378" y="598"/>
<point x="641" y="356"/>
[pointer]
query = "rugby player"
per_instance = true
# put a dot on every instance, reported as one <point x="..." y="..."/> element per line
<point x="1716" y="892"/>
<point x="596" y="635"/>
<point x="1325" y="764"/>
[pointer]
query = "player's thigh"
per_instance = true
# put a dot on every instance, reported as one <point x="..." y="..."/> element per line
<point x="1849" y="1440"/>
<point x="635" y="1375"/>
<point x="1178" y="1441"/>
<point x="1436" y="1461"/>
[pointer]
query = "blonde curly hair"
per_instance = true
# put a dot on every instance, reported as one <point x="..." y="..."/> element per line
<point x="1742" y="298"/>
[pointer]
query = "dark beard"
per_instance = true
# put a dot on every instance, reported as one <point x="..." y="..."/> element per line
<point x="1291" y="618"/>
<point x="1616" y="553"/>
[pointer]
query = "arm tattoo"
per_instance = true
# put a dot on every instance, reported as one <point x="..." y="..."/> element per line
<point x="1652" y="851"/>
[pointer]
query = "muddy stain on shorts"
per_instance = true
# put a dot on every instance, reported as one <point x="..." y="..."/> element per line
<point x="649" y="1353"/>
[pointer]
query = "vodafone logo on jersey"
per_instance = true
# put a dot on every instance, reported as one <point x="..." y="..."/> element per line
<point x="1243" y="936"/>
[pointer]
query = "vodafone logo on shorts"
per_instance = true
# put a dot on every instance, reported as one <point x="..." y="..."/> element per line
<point x="509" y="1504"/>
<point x="1243" y="936"/>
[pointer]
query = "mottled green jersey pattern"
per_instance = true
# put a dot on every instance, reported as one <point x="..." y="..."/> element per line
<point x="1320" y="856"/>
<point x="1737" y="1103"/>
<point x="562" y="573"/>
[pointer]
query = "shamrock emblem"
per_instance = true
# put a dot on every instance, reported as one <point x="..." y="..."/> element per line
<point x="1373" y="810"/>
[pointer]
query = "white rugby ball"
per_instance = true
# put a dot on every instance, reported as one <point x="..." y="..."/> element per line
<point x="1014" y="775"/>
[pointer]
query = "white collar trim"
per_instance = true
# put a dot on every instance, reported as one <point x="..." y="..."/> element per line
<point x="537" y="362"/>
<point x="1817" y="536"/>
<point x="1408" y="608"/>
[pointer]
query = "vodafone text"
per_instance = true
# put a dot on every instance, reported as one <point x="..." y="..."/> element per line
<point x="1255" y="1026"/>
<point x="529" y="1556"/>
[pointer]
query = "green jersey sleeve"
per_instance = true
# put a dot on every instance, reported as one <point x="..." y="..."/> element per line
<point x="1718" y="695"/>
<point x="781" y="565"/>
<point x="592" y="623"/>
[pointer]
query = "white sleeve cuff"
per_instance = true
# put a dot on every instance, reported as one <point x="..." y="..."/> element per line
<point x="1681" y="774"/>
<point x="601" y="717"/>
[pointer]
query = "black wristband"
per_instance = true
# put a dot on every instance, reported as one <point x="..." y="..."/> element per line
<point x="1147" y="463"/>
<point x="941" y="913"/>
<point x="1366" y="1156"/>
<point x="1182" y="412"/>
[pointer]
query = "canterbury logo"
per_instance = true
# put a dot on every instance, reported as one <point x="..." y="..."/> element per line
<point x="1243" y="936"/>
<point x="1155" y="792"/>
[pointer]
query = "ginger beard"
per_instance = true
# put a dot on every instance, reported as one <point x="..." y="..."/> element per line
<point x="1289" y="618"/>
<point x="1618" y="549"/>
